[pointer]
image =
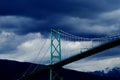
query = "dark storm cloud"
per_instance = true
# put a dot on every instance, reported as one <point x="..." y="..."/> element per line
<point x="45" y="8"/>
<point x="53" y="13"/>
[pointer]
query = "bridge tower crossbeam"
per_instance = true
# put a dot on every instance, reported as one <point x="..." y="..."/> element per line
<point x="55" y="53"/>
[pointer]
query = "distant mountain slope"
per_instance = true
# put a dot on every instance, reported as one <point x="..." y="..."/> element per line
<point x="115" y="72"/>
<point x="12" y="70"/>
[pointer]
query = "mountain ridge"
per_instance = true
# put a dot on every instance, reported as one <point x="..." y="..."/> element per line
<point x="13" y="70"/>
<point x="109" y="72"/>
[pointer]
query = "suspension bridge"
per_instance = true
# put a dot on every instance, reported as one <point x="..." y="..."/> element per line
<point x="80" y="47"/>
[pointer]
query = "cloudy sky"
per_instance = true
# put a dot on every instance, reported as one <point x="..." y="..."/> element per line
<point x="25" y="26"/>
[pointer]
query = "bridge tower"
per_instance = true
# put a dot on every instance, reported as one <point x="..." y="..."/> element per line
<point x="55" y="55"/>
